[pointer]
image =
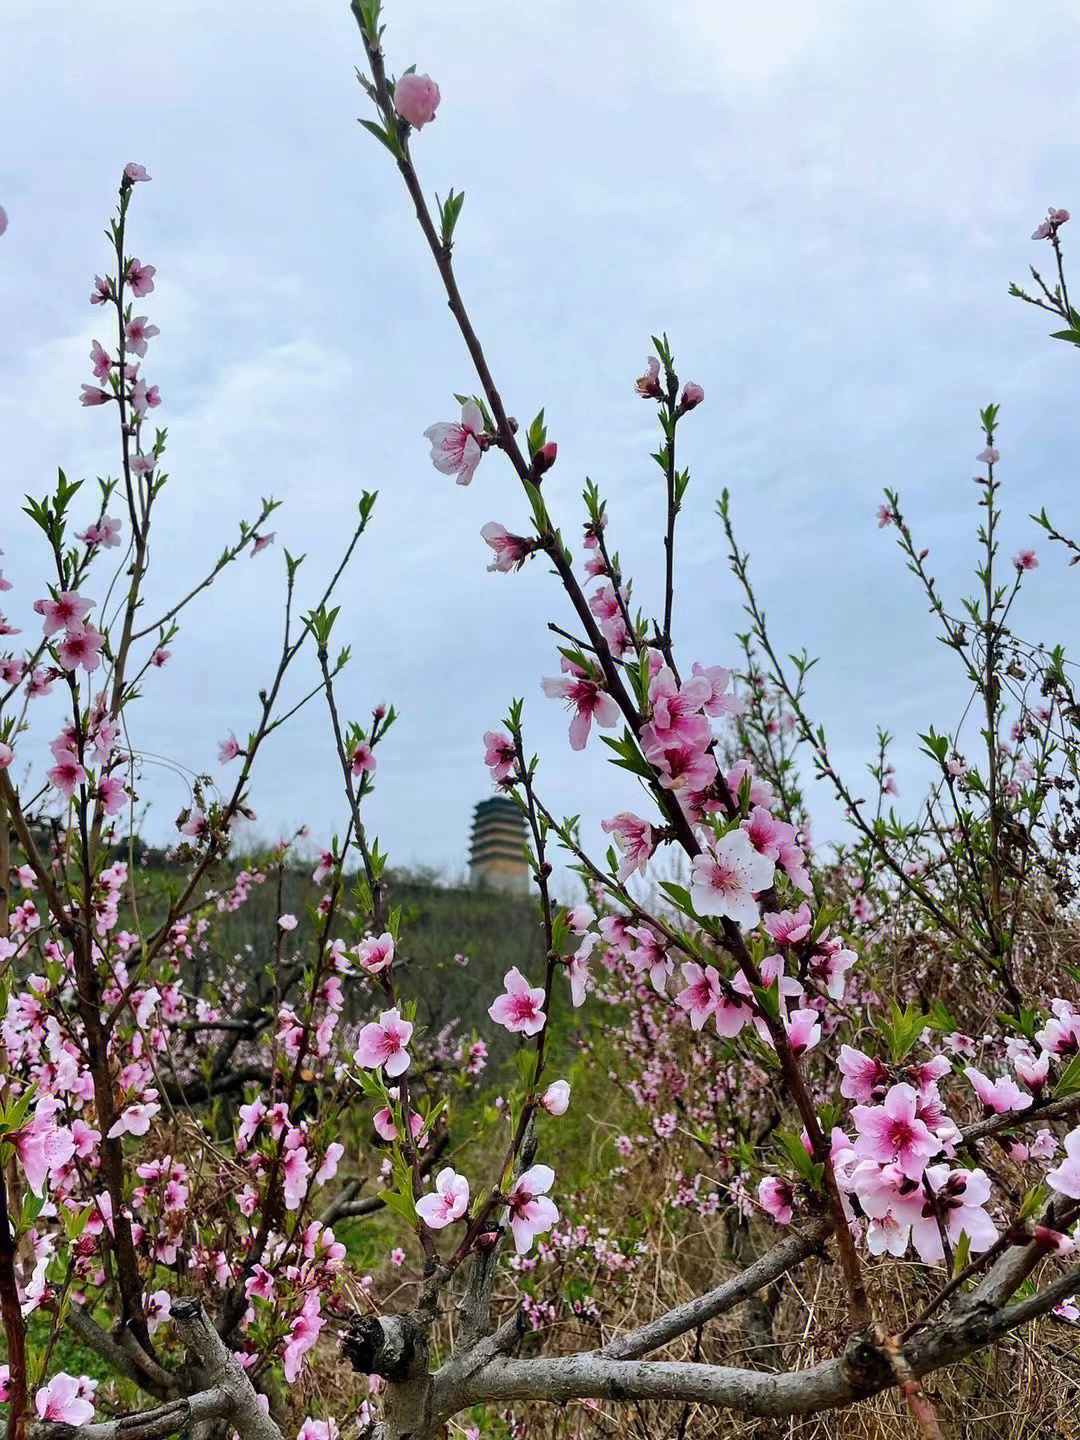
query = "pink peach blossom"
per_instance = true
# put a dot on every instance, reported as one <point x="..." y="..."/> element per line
<point x="587" y="700"/>
<point x="139" y="278"/>
<point x="511" y="551"/>
<point x="456" y="448"/>
<point x="776" y="1198"/>
<point x="81" y="648"/>
<point x="65" y="1400"/>
<point x="1066" y="1178"/>
<point x="500" y="755"/>
<point x="635" y="838"/>
<point x="449" y="1202"/>
<point x="382" y="1043"/>
<point x="521" y="1008"/>
<point x="892" y="1132"/>
<point x="556" y="1098"/>
<point x="728" y="876"/>
<point x="416" y="98"/>
<point x="529" y="1209"/>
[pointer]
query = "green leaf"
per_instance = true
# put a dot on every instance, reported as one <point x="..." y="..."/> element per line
<point x="962" y="1254"/>
<point x="1069" y="1083"/>
<point x="390" y="141"/>
<point x="680" y="895"/>
<point x="792" y="1148"/>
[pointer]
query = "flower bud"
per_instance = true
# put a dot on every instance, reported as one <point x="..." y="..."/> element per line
<point x="545" y="457"/>
<point x="692" y="395"/>
<point x="416" y="98"/>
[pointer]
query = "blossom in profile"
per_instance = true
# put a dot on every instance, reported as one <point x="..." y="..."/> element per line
<point x="999" y="1096"/>
<point x="382" y="1043"/>
<point x="416" y="98"/>
<point x="228" y="749"/>
<point x="42" y="1145"/>
<point x="296" y="1173"/>
<point x="1049" y="227"/>
<point x="556" y="1098"/>
<point x="803" y="1030"/>
<point x="529" y="1208"/>
<point x="144" y="397"/>
<point x="511" y="551"/>
<point x="449" y="1202"/>
<point x="303" y="1333"/>
<point x="635" y="839"/>
<point x="456" y="447"/>
<point x="692" y="395"/>
<point x="134" y="1120"/>
<point x="717" y="702"/>
<point x="134" y="173"/>
<point x="105" y="533"/>
<point x="100" y="360"/>
<point x="776" y="1197"/>
<point x="586" y="699"/>
<point x="648" y="385"/>
<point x="577" y="969"/>
<point x="499" y="755"/>
<point x="383" y="1121"/>
<point x="865" y="1078"/>
<point x="1066" y="1178"/>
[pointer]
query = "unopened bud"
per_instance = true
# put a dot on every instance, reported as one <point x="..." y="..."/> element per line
<point x="545" y="457"/>
<point x="692" y="395"/>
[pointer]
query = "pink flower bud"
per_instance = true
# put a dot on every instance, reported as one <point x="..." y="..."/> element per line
<point x="692" y="395"/>
<point x="545" y="457"/>
<point x="416" y="98"/>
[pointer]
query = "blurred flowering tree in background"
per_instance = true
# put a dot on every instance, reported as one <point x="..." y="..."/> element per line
<point x="853" y="1076"/>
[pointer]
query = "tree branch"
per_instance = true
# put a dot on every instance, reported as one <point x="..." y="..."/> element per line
<point x="724" y="1297"/>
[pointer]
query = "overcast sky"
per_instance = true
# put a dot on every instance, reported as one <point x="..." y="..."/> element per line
<point x="821" y="203"/>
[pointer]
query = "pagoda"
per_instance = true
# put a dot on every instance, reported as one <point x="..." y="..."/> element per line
<point x="497" y="847"/>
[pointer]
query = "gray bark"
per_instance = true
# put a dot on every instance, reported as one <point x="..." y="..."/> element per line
<point x="703" y="1308"/>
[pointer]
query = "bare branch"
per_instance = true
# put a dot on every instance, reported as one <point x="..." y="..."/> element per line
<point x="724" y="1297"/>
